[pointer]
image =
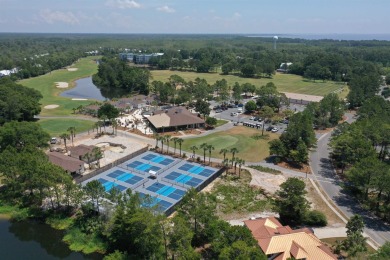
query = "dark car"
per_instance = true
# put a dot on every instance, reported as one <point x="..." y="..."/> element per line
<point x="269" y="128"/>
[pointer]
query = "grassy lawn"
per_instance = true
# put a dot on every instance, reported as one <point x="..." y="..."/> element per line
<point x="284" y="82"/>
<point x="221" y="122"/>
<point x="360" y="256"/>
<point x="56" y="127"/>
<point x="239" y="137"/>
<point x="46" y="85"/>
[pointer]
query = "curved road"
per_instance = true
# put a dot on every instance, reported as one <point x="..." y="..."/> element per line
<point x="346" y="203"/>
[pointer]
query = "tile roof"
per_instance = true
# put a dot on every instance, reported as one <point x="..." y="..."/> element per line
<point x="275" y="239"/>
<point x="65" y="162"/>
<point x="176" y="116"/>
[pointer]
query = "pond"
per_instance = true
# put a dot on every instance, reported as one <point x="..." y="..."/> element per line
<point x="34" y="240"/>
<point x="85" y="89"/>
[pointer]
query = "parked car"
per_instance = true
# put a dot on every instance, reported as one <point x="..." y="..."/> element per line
<point x="274" y="130"/>
<point x="218" y="111"/>
<point x="252" y="118"/>
<point x="53" y="140"/>
<point x="269" y="128"/>
<point x="233" y="114"/>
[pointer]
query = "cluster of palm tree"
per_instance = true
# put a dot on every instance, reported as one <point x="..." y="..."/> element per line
<point x="167" y="139"/>
<point x="206" y="147"/>
<point x="234" y="161"/>
<point x="95" y="155"/>
<point x="68" y="135"/>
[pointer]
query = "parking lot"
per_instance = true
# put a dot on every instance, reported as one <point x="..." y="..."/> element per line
<point x="233" y="115"/>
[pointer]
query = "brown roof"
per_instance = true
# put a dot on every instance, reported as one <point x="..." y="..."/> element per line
<point x="273" y="238"/>
<point x="65" y="162"/>
<point x="80" y="150"/>
<point x="176" y="116"/>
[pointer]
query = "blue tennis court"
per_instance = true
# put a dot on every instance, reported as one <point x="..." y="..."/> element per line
<point x="125" y="177"/>
<point x="196" y="169"/>
<point x="158" y="159"/>
<point x="108" y="185"/>
<point x="149" y="201"/>
<point x="185" y="179"/>
<point x="143" y="166"/>
<point x="167" y="191"/>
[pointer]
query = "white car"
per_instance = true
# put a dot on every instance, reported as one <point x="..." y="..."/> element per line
<point x="252" y="118"/>
<point x="233" y="114"/>
<point x="274" y="130"/>
<point x="53" y="140"/>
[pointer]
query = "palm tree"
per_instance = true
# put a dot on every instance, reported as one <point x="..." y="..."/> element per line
<point x="162" y="140"/>
<point x="180" y="141"/>
<point x="224" y="151"/>
<point x="232" y="161"/>
<point x="240" y="163"/>
<point x="168" y="139"/>
<point x="225" y="163"/>
<point x="210" y="148"/>
<point x="136" y="122"/>
<point x="193" y="149"/>
<point x="104" y="118"/>
<point x="72" y="132"/>
<point x="174" y="139"/>
<point x="88" y="158"/>
<point x="157" y="137"/>
<point x="114" y="125"/>
<point x="236" y="161"/>
<point x="234" y="151"/>
<point x="97" y="154"/>
<point x="204" y="147"/>
<point x="96" y="125"/>
<point x="65" y="136"/>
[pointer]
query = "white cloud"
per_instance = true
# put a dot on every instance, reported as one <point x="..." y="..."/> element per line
<point x="123" y="4"/>
<point x="51" y="17"/>
<point x="166" y="9"/>
<point x="236" y="15"/>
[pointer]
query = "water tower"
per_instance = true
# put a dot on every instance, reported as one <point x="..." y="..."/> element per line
<point x="275" y="39"/>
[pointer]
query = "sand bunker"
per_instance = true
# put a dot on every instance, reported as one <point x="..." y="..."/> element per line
<point x="72" y="69"/>
<point x="80" y="99"/>
<point x="62" y="84"/>
<point x="50" y="106"/>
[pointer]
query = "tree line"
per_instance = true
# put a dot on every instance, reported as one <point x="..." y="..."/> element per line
<point x="361" y="152"/>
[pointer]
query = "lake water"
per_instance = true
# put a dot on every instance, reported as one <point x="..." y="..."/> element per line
<point x="33" y="240"/>
<point x="84" y="89"/>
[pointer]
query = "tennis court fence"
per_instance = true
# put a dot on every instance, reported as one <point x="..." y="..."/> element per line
<point x="92" y="174"/>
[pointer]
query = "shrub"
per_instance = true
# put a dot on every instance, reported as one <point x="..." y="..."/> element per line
<point x="315" y="218"/>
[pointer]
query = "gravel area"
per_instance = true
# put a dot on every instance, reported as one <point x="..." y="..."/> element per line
<point x="111" y="154"/>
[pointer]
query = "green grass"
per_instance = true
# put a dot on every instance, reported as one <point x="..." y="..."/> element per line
<point x="56" y="127"/>
<point x="59" y="222"/>
<point x="284" y="82"/>
<point x="46" y="85"/>
<point x="221" y="122"/>
<point x="239" y="137"/>
<point x="235" y="195"/>
<point x="360" y="256"/>
<point x="265" y="169"/>
<point x="86" y="243"/>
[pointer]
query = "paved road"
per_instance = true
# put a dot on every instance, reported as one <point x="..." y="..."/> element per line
<point x="330" y="184"/>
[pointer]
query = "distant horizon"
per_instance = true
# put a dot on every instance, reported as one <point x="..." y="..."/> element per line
<point x="196" y="16"/>
<point x="306" y="36"/>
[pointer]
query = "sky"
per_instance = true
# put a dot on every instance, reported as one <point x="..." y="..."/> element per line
<point x="196" y="16"/>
